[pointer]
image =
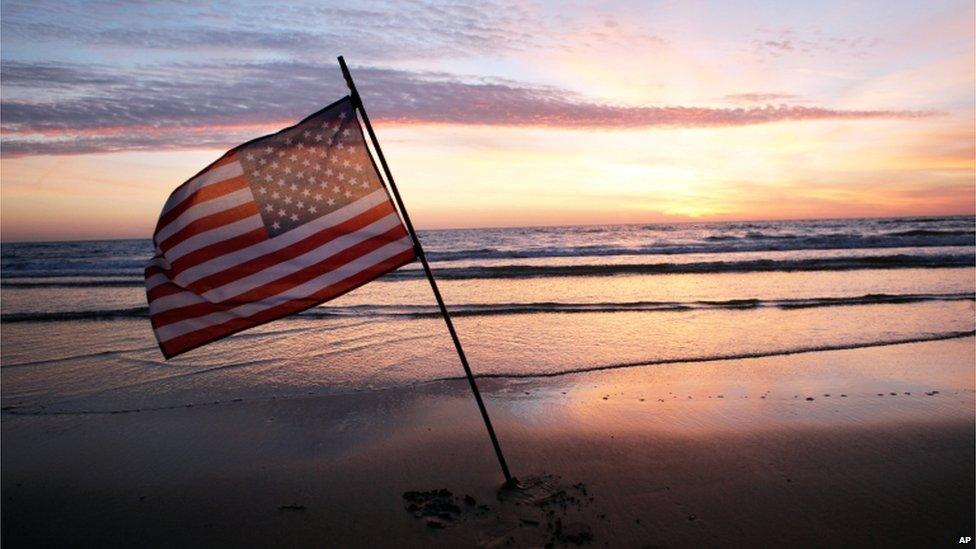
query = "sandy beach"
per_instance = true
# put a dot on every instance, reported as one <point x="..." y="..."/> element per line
<point x="869" y="446"/>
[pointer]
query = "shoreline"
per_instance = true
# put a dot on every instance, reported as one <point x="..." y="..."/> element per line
<point x="39" y="410"/>
<point x="734" y="444"/>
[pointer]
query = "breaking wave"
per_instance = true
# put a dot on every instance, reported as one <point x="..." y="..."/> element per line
<point x="940" y="336"/>
<point x="495" y="309"/>
<point x="896" y="261"/>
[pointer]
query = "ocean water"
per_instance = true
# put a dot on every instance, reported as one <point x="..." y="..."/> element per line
<point x="527" y="302"/>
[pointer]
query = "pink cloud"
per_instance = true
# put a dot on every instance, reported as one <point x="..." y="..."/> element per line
<point x="217" y="106"/>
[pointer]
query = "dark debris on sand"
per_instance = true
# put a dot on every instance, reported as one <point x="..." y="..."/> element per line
<point x="538" y="511"/>
<point x="439" y="507"/>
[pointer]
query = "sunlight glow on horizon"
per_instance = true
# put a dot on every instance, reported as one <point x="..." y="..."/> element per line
<point x="464" y="177"/>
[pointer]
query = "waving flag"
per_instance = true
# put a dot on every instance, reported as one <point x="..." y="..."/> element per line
<point x="275" y="226"/>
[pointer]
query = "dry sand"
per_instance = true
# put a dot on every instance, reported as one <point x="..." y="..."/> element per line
<point x="726" y="453"/>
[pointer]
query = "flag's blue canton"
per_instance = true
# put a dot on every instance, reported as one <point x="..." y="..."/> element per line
<point x="308" y="171"/>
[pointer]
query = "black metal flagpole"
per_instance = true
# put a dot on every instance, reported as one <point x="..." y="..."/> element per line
<point x="419" y="250"/>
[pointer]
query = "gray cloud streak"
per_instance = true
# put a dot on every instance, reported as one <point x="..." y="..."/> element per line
<point x="376" y="30"/>
<point x="65" y="109"/>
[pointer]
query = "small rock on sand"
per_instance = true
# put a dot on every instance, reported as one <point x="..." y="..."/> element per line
<point x="434" y="503"/>
<point x="574" y="532"/>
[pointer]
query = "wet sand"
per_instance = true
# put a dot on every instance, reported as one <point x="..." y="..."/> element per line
<point x="726" y="453"/>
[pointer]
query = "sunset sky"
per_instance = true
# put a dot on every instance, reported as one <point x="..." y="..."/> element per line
<point x="523" y="113"/>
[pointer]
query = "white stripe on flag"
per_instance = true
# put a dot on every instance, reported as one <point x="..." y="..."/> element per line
<point x="347" y="270"/>
<point x="210" y="177"/>
<point x="181" y="299"/>
<point x="215" y="235"/>
<point x="204" y="209"/>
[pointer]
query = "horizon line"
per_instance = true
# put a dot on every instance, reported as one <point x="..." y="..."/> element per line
<point x="556" y="226"/>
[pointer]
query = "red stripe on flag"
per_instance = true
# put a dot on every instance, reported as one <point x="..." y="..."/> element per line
<point x="162" y="290"/>
<point x="154" y="270"/>
<point x="210" y="222"/>
<point x="217" y="249"/>
<point x="209" y="192"/>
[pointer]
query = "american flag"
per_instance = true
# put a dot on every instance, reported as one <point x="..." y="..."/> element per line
<point x="275" y="226"/>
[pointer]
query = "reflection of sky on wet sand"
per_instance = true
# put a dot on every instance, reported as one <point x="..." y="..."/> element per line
<point x="757" y="394"/>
